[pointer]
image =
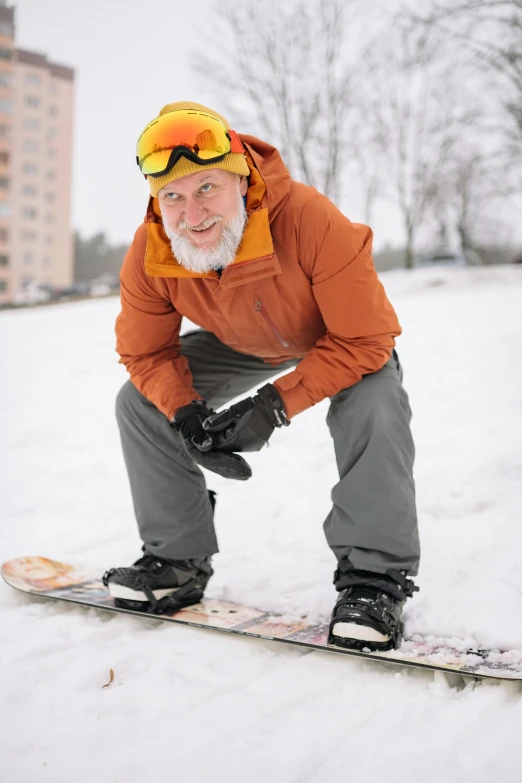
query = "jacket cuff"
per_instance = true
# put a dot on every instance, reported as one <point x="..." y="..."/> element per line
<point x="295" y="397"/>
<point x="170" y="411"/>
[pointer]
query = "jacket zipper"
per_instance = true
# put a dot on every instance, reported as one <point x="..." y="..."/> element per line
<point x="261" y="310"/>
<point x="246" y="263"/>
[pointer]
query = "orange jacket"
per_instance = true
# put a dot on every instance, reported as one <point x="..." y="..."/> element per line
<point x="303" y="284"/>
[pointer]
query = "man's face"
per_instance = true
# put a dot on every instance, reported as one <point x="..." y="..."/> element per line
<point x="204" y="217"/>
<point x="33" y="568"/>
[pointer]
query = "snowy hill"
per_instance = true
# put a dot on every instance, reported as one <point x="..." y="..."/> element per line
<point x="204" y="707"/>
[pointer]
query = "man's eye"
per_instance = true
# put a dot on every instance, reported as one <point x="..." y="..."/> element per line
<point x="206" y="185"/>
<point x="171" y="196"/>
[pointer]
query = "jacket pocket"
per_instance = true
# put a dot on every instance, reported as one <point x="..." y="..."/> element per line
<point x="259" y="308"/>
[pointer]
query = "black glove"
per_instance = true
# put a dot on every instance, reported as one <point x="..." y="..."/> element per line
<point x="247" y="425"/>
<point x="200" y="444"/>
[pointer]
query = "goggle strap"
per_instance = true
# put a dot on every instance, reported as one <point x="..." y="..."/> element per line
<point x="236" y="145"/>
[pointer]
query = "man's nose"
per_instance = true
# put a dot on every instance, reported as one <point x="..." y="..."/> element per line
<point x="194" y="212"/>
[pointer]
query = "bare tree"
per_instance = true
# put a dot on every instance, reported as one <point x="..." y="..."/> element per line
<point x="292" y="68"/>
<point x="469" y="200"/>
<point x="492" y="31"/>
<point x="417" y="124"/>
<point x="383" y="112"/>
<point x="478" y="184"/>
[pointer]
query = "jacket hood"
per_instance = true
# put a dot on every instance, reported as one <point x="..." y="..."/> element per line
<point x="268" y="190"/>
<point x="274" y="175"/>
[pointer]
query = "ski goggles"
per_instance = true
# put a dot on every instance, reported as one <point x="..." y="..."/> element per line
<point x="196" y="135"/>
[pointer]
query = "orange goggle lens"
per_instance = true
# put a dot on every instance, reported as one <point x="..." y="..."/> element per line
<point x="199" y="136"/>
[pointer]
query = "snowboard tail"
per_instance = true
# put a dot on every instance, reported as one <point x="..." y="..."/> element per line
<point x="64" y="582"/>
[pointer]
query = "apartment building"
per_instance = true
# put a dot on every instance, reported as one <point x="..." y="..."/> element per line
<point x="6" y="130"/>
<point x="36" y="119"/>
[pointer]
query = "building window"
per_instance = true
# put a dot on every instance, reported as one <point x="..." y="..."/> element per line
<point x="3" y="285"/>
<point x="6" y="54"/>
<point x="28" y="236"/>
<point x="33" y="79"/>
<point x="31" y="123"/>
<point x="49" y="240"/>
<point x="30" y="168"/>
<point x="4" y="235"/>
<point x="30" y="145"/>
<point x="4" y="157"/>
<point x="5" y="131"/>
<point x="4" y="183"/>
<point x="30" y="213"/>
<point x="6" y="79"/>
<point x="4" y="260"/>
<point x="27" y="258"/>
<point x="29" y="190"/>
<point x="53" y="111"/>
<point x="50" y="198"/>
<point x="47" y="263"/>
<point x="51" y="153"/>
<point x="7" y="28"/>
<point x="52" y="133"/>
<point x="53" y="88"/>
<point x="49" y="218"/>
<point x="51" y="176"/>
<point x="5" y="209"/>
<point x="6" y="106"/>
<point x="32" y="101"/>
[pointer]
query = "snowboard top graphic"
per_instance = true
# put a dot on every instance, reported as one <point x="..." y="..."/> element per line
<point x="65" y="582"/>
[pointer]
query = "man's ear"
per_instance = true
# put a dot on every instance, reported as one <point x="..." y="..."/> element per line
<point x="243" y="184"/>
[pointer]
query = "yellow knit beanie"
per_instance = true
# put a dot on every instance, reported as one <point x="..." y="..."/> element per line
<point x="234" y="161"/>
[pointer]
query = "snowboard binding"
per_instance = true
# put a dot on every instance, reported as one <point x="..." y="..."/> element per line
<point x="367" y="614"/>
<point x="158" y="586"/>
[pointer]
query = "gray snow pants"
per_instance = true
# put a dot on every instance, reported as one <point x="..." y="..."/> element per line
<point x="373" y="521"/>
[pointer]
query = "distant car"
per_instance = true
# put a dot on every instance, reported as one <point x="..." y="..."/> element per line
<point x="31" y="294"/>
<point x="450" y="258"/>
<point x="72" y="291"/>
<point x="100" y="289"/>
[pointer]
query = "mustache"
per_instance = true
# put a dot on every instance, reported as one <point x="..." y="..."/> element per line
<point x="205" y="224"/>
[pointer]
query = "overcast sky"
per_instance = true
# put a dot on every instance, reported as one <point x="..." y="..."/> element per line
<point x="131" y="57"/>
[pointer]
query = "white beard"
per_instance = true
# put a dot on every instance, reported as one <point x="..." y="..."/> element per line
<point x="203" y="260"/>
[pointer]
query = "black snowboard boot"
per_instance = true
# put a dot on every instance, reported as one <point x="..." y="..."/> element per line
<point x="153" y="584"/>
<point x="367" y="614"/>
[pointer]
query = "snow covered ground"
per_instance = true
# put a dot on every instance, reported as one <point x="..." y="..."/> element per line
<point x="193" y="706"/>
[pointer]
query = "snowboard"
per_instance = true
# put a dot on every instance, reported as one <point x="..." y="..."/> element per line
<point x="65" y="582"/>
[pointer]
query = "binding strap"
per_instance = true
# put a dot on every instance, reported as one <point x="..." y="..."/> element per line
<point x="394" y="582"/>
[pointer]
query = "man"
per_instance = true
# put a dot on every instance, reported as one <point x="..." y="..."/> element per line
<point x="277" y="279"/>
